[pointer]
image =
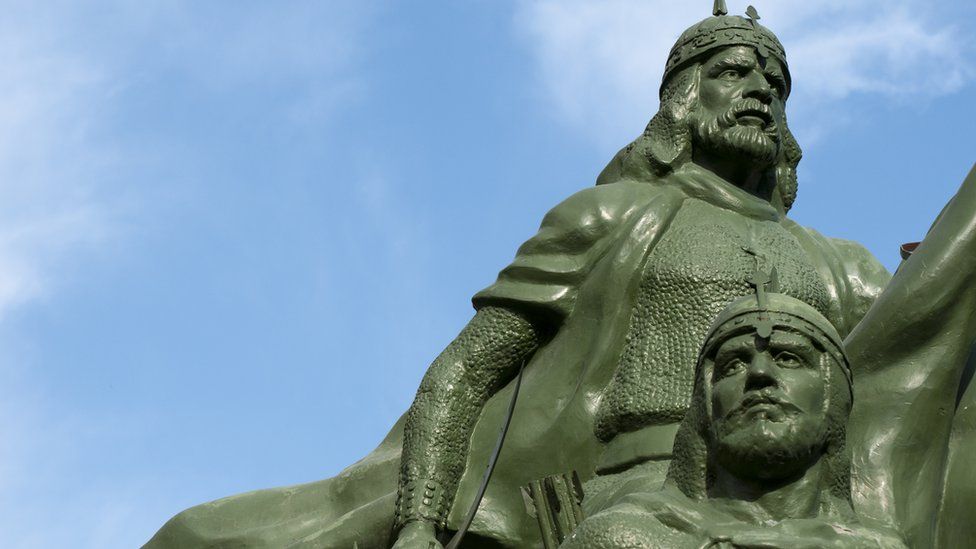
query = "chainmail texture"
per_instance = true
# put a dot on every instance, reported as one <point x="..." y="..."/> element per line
<point x="698" y="268"/>
<point x="483" y="357"/>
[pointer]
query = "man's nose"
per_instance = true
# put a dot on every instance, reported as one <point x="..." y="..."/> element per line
<point x="761" y="372"/>
<point x="758" y="87"/>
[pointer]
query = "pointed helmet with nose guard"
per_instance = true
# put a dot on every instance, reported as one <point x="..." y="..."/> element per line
<point x="720" y="31"/>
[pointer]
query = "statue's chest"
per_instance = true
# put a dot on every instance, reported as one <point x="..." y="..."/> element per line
<point x="703" y="262"/>
<point x="706" y="257"/>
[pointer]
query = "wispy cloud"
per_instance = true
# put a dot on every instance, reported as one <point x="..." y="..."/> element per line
<point x="304" y="49"/>
<point x="68" y="179"/>
<point x="601" y="61"/>
<point x="60" y="200"/>
<point x="892" y="54"/>
<point x="50" y="160"/>
<point x="74" y="181"/>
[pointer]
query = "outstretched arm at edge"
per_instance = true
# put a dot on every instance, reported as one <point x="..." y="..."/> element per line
<point x="908" y="354"/>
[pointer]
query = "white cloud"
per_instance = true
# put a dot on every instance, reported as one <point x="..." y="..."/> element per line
<point x="73" y="182"/>
<point x="49" y="160"/>
<point x="62" y="158"/>
<point x="893" y="54"/>
<point x="55" y="207"/>
<point x="601" y="62"/>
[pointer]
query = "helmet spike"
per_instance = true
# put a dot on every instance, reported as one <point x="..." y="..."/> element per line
<point x="720" y="8"/>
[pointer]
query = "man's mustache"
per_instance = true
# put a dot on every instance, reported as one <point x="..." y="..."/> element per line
<point x="748" y="106"/>
<point x="762" y="397"/>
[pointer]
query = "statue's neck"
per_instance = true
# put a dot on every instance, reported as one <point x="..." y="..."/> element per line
<point x="738" y="173"/>
<point x="758" y="501"/>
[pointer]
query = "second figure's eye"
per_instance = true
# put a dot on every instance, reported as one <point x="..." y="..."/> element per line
<point x="731" y="367"/>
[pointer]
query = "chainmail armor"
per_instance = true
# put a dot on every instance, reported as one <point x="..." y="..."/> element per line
<point x="694" y="272"/>
<point x="480" y="360"/>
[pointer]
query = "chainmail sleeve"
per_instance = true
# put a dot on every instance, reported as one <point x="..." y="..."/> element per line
<point x="483" y="357"/>
<point x="519" y="312"/>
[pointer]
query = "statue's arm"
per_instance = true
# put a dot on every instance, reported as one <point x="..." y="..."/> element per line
<point x="928" y="310"/>
<point x="908" y="355"/>
<point x="516" y="314"/>
<point x="482" y="359"/>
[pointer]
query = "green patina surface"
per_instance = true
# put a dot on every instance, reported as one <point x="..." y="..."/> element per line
<point x="609" y="304"/>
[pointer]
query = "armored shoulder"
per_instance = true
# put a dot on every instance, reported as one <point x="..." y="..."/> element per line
<point x="592" y="213"/>
<point x="856" y="277"/>
<point x="543" y="279"/>
<point x="866" y="276"/>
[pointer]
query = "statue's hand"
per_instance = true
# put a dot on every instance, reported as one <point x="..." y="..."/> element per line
<point x="417" y="534"/>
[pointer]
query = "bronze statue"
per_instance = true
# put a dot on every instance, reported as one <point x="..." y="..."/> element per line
<point x="595" y="325"/>
<point x="622" y="281"/>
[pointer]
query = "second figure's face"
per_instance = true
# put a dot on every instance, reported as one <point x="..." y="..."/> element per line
<point x="768" y="399"/>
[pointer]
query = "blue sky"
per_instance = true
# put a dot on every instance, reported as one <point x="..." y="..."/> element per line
<point x="234" y="234"/>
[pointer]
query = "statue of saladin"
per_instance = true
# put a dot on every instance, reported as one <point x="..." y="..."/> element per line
<point x="596" y="326"/>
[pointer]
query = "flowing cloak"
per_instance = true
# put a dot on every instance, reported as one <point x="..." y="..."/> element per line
<point x="580" y="273"/>
<point x="912" y="431"/>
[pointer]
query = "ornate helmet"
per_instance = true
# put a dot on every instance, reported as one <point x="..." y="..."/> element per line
<point x="666" y="143"/>
<point x="721" y="31"/>
<point x="764" y="312"/>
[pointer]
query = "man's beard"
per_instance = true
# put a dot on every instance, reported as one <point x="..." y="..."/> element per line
<point x="764" y="449"/>
<point x="724" y="136"/>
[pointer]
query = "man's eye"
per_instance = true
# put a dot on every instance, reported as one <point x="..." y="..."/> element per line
<point x="731" y="367"/>
<point x="729" y="74"/>
<point x="788" y="360"/>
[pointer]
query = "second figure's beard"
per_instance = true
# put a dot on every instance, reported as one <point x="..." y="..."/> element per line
<point x="766" y="450"/>
<point x="724" y="137"/>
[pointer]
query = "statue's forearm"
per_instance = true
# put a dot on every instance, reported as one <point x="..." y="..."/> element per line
<point x="483" y="357"/>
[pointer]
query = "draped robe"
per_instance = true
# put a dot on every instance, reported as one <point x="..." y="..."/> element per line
<point x="581" y="272"/>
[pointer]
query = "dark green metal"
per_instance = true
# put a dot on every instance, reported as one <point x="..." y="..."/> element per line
<point x="555" y="501"/>
<point x="473" y="509"/>
<point x="608" y="325"/>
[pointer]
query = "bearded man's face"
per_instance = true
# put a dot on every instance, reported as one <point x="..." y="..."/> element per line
<point x="741" y="98"/>
<point x="768" y="405"/>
